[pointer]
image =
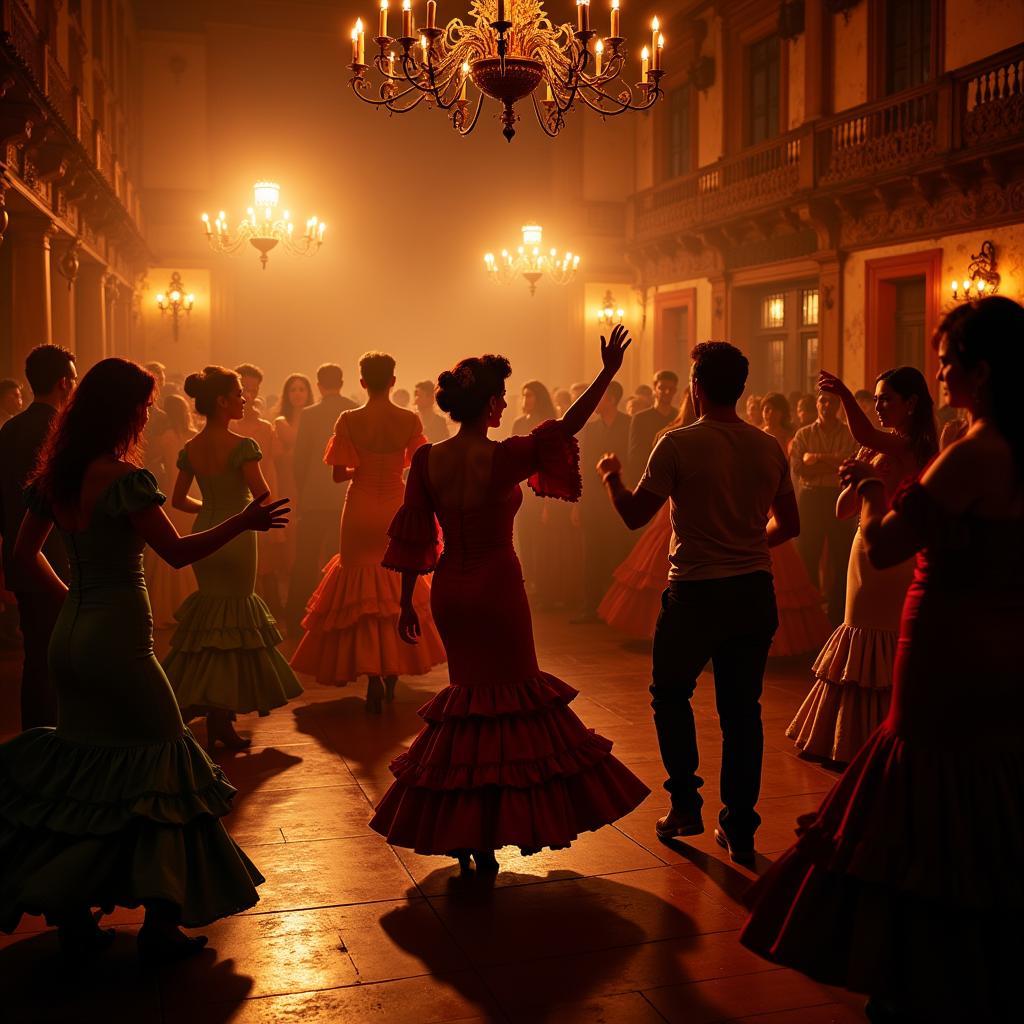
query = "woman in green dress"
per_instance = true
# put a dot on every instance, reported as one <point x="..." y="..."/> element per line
<point x="224" y="659"/>
<point x="118" y="805"/>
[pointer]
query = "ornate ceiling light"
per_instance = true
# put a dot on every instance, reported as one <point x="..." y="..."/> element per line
<point x="508" y="51"/>
<point x="263" y="228"/>
<point x="175" y="301"/>
<point x="531" y="262"/>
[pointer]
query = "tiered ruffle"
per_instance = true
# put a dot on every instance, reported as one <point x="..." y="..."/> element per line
<point x="352" y="627"/>
<point x="414" y="540"/>
<point x="803" y="624"/>
<point x="851" y="694"/>
<point x="557" y="462"/>
<point x="116" y="826"/>
<point x="633" y="601"/>
<point x="504" y="765"/>
<point x="907" y="881"/>
<point x="224" y="655"/>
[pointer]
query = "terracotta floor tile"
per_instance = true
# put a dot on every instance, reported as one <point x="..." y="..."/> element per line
<point x="718" y="999"/>
<point x="306" y="765"/>
<point x="627" y="1008"/>
<point x="835" y="1013"/>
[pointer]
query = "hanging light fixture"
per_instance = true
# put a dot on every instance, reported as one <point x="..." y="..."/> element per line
<point x="263" y="228"/>
<point x="531" y="262"/>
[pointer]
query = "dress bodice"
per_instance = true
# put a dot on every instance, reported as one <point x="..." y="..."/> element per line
<point x="375" y="473"/>
<point x="226" y="492"/>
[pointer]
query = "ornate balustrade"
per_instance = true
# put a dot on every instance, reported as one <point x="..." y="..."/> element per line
<point x="990" y="98"/>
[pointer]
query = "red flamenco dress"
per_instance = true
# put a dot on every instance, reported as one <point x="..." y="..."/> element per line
<point x="633" y="600"/>
<point x="907" y="883"/>
<point x="502" y="760"/>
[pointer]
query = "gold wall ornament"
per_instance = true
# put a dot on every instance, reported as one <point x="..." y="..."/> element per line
<point x="176" y="301"/>
<point x="263" y="228"/>
<point x="508" y="49"/>
<point x="982" y="277"/>
<point x="531" y="262"/>
<point x="609" y="313"/>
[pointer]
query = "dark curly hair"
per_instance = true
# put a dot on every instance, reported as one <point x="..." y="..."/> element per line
<point x="105" y="416"/>
<point x="464" y="391"/>
<point x="721" y="370"/>
<point x="206" y="387"/>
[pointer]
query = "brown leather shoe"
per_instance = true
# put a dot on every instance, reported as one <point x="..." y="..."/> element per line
<point x="675" y="824"/>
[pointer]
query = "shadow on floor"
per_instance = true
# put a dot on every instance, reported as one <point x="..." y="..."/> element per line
<point x="542" y="949"/>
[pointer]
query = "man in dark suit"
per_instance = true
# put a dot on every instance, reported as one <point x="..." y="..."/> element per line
<point x="606" y="542"/>
<point x="318" y="499"/>
<point x="646" y="425"/>
<point x="50" y="371"/>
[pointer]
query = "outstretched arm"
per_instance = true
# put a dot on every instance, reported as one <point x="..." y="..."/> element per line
<point x="636" y="508"/>
<point x="864" y="432"/>
<point x="583" y="408"/>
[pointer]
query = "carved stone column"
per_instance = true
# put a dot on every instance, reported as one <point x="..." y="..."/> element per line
<point x="31" y="323"/>
<point x="90" y="315"/>
<point x="830" y="313"/>
<point x="62" y="299"/>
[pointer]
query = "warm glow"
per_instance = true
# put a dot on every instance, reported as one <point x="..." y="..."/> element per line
<point x="406" y="5"/>
<point x="645" y="54"/>
<point x="160" y="298"/>
<point x="599" y="46"/>
<point x="383" y="5"/>
<point x="655" y="24"/>
<point x="532" y="234"/>
<point x="465" y="67"/>
<point x="266" y="194"/>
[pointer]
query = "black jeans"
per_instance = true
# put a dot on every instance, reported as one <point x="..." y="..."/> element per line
<point x="729" y="622"/>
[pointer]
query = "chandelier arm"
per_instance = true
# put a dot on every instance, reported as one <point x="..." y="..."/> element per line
<point x="465" y="129"/>
<point x="544" y="117"/>
<point x="388" y="102"/>
<point x="653" y="93"/>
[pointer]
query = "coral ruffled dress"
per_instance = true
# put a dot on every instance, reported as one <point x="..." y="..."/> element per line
<point x="633" y="600"/>
<point x="907" y="881"/>
<point x="224" y="651"/>
<point x="351" y="623"/>
<point x="502" y="760"/>
<point x="117" y="806"/>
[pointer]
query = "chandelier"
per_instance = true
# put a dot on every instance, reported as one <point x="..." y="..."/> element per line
<point x="175" y="301"/>
<point x="508" y="50"/>
<point x="531" y="263"/>
<point x="263" y="228"/>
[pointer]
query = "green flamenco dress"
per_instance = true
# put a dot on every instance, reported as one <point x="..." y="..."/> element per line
<point x="224" y="651"/>
<point x="118" y="805"/>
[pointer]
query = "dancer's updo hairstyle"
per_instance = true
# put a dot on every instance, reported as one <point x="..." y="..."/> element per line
<point x="206" y="387"/>
<point x="464" y="391"/>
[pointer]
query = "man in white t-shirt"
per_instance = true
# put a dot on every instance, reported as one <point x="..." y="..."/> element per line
<point x="732" y="499"/>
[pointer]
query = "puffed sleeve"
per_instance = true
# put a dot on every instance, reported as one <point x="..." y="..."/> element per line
<point x="133" y="492"/>
<point x="340" y="450"/>
<point x="414" y="540"/>
<point x="183" y="462"/>
<point x="246" y="451"/>
<point x="416" y="441"/>
<point x="548" y="459"/>
<point x="36" y="503"/>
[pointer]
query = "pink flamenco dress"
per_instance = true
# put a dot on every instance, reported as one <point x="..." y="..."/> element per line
<point x="906" y="884"/>
<point x="351" y="623"/>
<point x="633" y="601"/>
<point x="502" y="760"/>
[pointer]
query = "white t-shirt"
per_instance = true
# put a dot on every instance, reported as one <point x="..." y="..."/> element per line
<point x="722" y="478"/>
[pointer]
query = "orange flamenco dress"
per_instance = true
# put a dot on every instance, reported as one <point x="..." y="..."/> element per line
<point x="351" y="623"/>
<point x="633" y="601"/>
<point x="502" y="760"/>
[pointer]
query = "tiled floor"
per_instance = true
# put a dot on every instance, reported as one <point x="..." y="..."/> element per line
<point x="620" y="928"/>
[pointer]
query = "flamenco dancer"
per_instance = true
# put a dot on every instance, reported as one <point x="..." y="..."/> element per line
<point x="502" y="759"/>
<point x="223" y="659"/>
<point x="906" y="883"/>
<point x="352" y="618"/>
<point x="853" y="672"/>
<point x="118" y="805"/>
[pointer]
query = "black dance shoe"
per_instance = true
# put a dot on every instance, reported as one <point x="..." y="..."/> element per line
<point x="742" y="852"/>
<point x="676" y="824"/>
<point x="167" y="947"/>
<point x="374" y="695"/>
<point x="390" y="682"/>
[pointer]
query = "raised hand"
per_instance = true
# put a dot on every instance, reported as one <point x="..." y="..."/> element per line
<point x="830" y="383"/>
<point x="409" y="625"/>
<point x="609" y="463"/>
<point x="614" y="348"/>
<point x="262" y="517"/>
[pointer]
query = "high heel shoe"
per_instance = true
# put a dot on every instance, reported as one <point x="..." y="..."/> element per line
<point x="390" y="682"/>
<point x="463" y="857"/>
<point x="223" y="732"/>
<point x="374" y="695"/>
<point x="168" y="947"/>
<point x="486" y="861"/>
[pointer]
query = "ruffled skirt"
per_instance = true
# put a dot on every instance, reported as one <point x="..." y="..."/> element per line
<point x="633" y="601"/>
<point x="351" y="627"/>
<point x="224" y="655"/>
<point x="907" y="883"/>
<point x="504" y="765"/>
<point x="803" y="624"/>
<point x="103" y="826"/>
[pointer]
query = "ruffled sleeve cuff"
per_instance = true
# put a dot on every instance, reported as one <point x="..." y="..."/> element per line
<point x="247" y="451"/>
<point x="36" y="503"/>
<point x="133" y="492"/>
<point x="414" y="542"/>
<point x="557" y="463"/>
<point x="340" y="450"/>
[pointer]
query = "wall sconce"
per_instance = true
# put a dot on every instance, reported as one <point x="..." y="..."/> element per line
<point x="175" y="301"/>
<point x="609" y="314"/>
<point x="982" y="277"/>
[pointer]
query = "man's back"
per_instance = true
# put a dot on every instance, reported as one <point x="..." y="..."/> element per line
<point x="21" y="438"/>
<point x="314" y="480"/>
<point x="643" y="432"/>
<point x="723" y="477"/>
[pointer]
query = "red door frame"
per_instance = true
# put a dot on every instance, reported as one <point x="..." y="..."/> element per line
<point x="664" y="301"/>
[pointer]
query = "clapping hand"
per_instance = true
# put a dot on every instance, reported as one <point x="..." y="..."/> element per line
<point x="609" y="463"/>
<point x="262" y="517"/>
<point x="614" y="348"/>
<point x="853" y="471"/>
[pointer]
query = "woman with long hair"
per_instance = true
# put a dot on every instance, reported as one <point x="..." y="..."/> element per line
<point x="168" y="586"/>
<point x="117" y="806"/>
<point x="223" y="659"/>
<point x="853" y="673"/>
<point x="351" y="619"/>
<point x="803" y="624"/>
<point x="502" y="760"/>
<point x="296" y="395"/>
<point x="906" y="883"/>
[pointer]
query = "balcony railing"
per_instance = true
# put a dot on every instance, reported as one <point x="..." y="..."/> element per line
<point x="979" y="105"/>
